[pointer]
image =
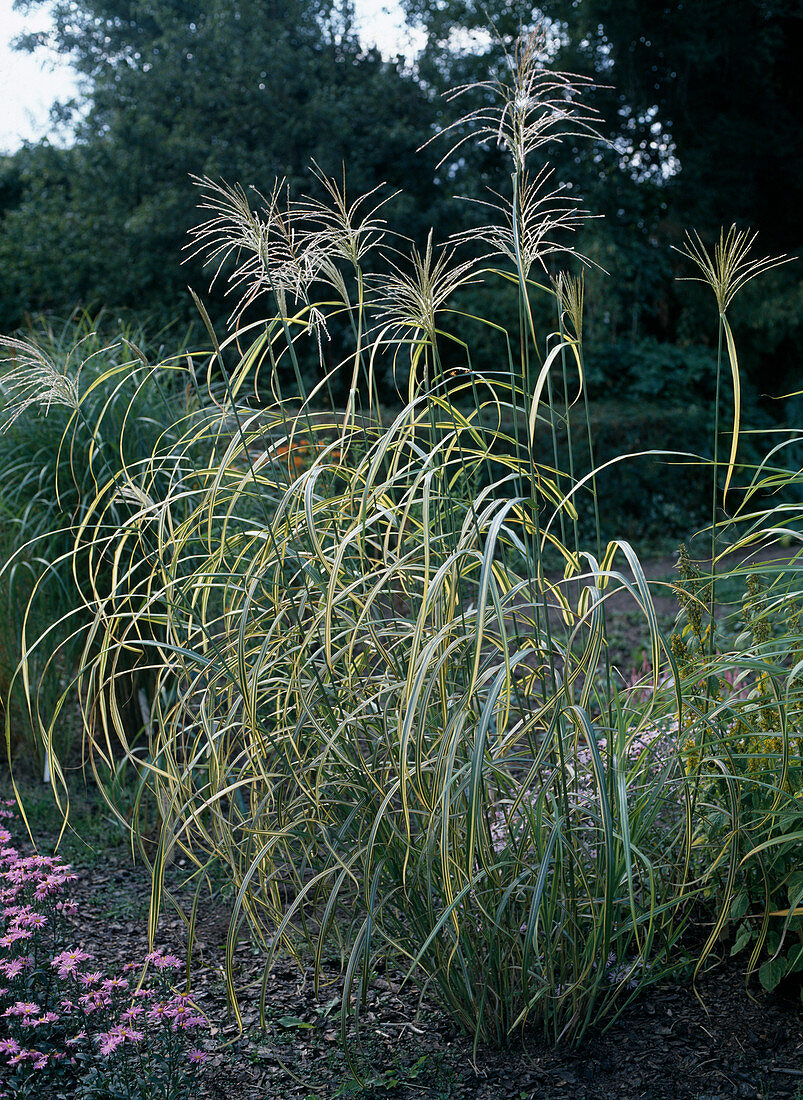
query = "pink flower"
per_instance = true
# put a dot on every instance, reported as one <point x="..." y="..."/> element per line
<point x="110" y="1041"/>
<point x="90" y="978"/>
<point x="114" y="983"/>
<point x="197" y="1057"/>
<point x="14" y="935"/>
<point x="9" y="1046"/>
<point x="13" y="967"/>
<point x="67" y="962"/>
<point x="163" y="962"/>
<point x="181" y="1010"/>
<point x="91" y="1002"/>
<point x="31" y="920"/>
<point x="23" y="1008"/>
<point x="189" y="1023"/>
<point x="130" y="1034"/>
<point x="132" y="1013"/>
<point x="51" y="885"/>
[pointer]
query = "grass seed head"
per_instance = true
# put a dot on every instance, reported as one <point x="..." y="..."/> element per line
<point x="729" y="267"/>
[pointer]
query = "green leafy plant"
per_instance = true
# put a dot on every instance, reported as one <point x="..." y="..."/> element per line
<point x="748" y="769"/>
<point x="65" y="1025"/>
<point x="56" y="387"/>
<point x="372" y="705"/>
<point x="376" y="704"/>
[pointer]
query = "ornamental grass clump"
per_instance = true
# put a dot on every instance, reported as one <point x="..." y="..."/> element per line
<point x="373" y="706"/>
<point x="65" y="1025"/>
<point x="56" y="387"/>
<point x="740" y="674"/>
<point x="383" y="702"/>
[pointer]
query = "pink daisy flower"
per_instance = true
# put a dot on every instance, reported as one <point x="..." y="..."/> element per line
<point x="91" y="978"/>
<point x="23" y="1008"/>
<point x="67" y="962"/>
<point x="109" y="1041"/>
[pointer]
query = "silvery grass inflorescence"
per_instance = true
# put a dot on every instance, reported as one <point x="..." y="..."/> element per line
<point x="408" y="302"/>
<point x="533" y="223"/>
<point x="730" y="267"/>
<point x="531" y="105"/>
<point x="65" y="1023"/>
<point x="36" y="380"/>
<point x="284" y="246"/>
<point x="270" y="251"/>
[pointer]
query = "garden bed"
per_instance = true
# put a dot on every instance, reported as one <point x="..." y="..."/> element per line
<point x="725" y="1041"/>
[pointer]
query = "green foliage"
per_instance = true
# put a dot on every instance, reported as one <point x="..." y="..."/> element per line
<point x="655" y="498"/>
<point x="375" y="707"/>
<point x="246" y="89"/>
<point x="363" y="707"/>
<point x="748" y="766"/>
<point x="53" y="455"/>
<point x="647" y="370"/>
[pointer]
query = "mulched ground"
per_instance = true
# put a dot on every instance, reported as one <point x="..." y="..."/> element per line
<point x="668" y="1047"/>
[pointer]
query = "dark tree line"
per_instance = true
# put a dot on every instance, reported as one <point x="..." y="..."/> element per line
<point x="700" y="112"/>
<point x="701" y="108"/>
<point x="245" y="90"/>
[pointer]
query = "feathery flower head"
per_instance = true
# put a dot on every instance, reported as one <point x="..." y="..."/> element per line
<point x="730" y="266"/>
<point x="411" y="301"/>
<point x="530" y="104"/>
<point x="529" y="222"/>
<point x="280" y="256"/>
<point x="570" y="291"/>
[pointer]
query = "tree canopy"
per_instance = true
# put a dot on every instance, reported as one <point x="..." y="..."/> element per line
<point x="245" y="90"/>
<point x="699" y="127"/>
<point x="701" y="120"/>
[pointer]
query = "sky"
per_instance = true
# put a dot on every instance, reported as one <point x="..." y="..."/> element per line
<point x="29" y="84"/>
